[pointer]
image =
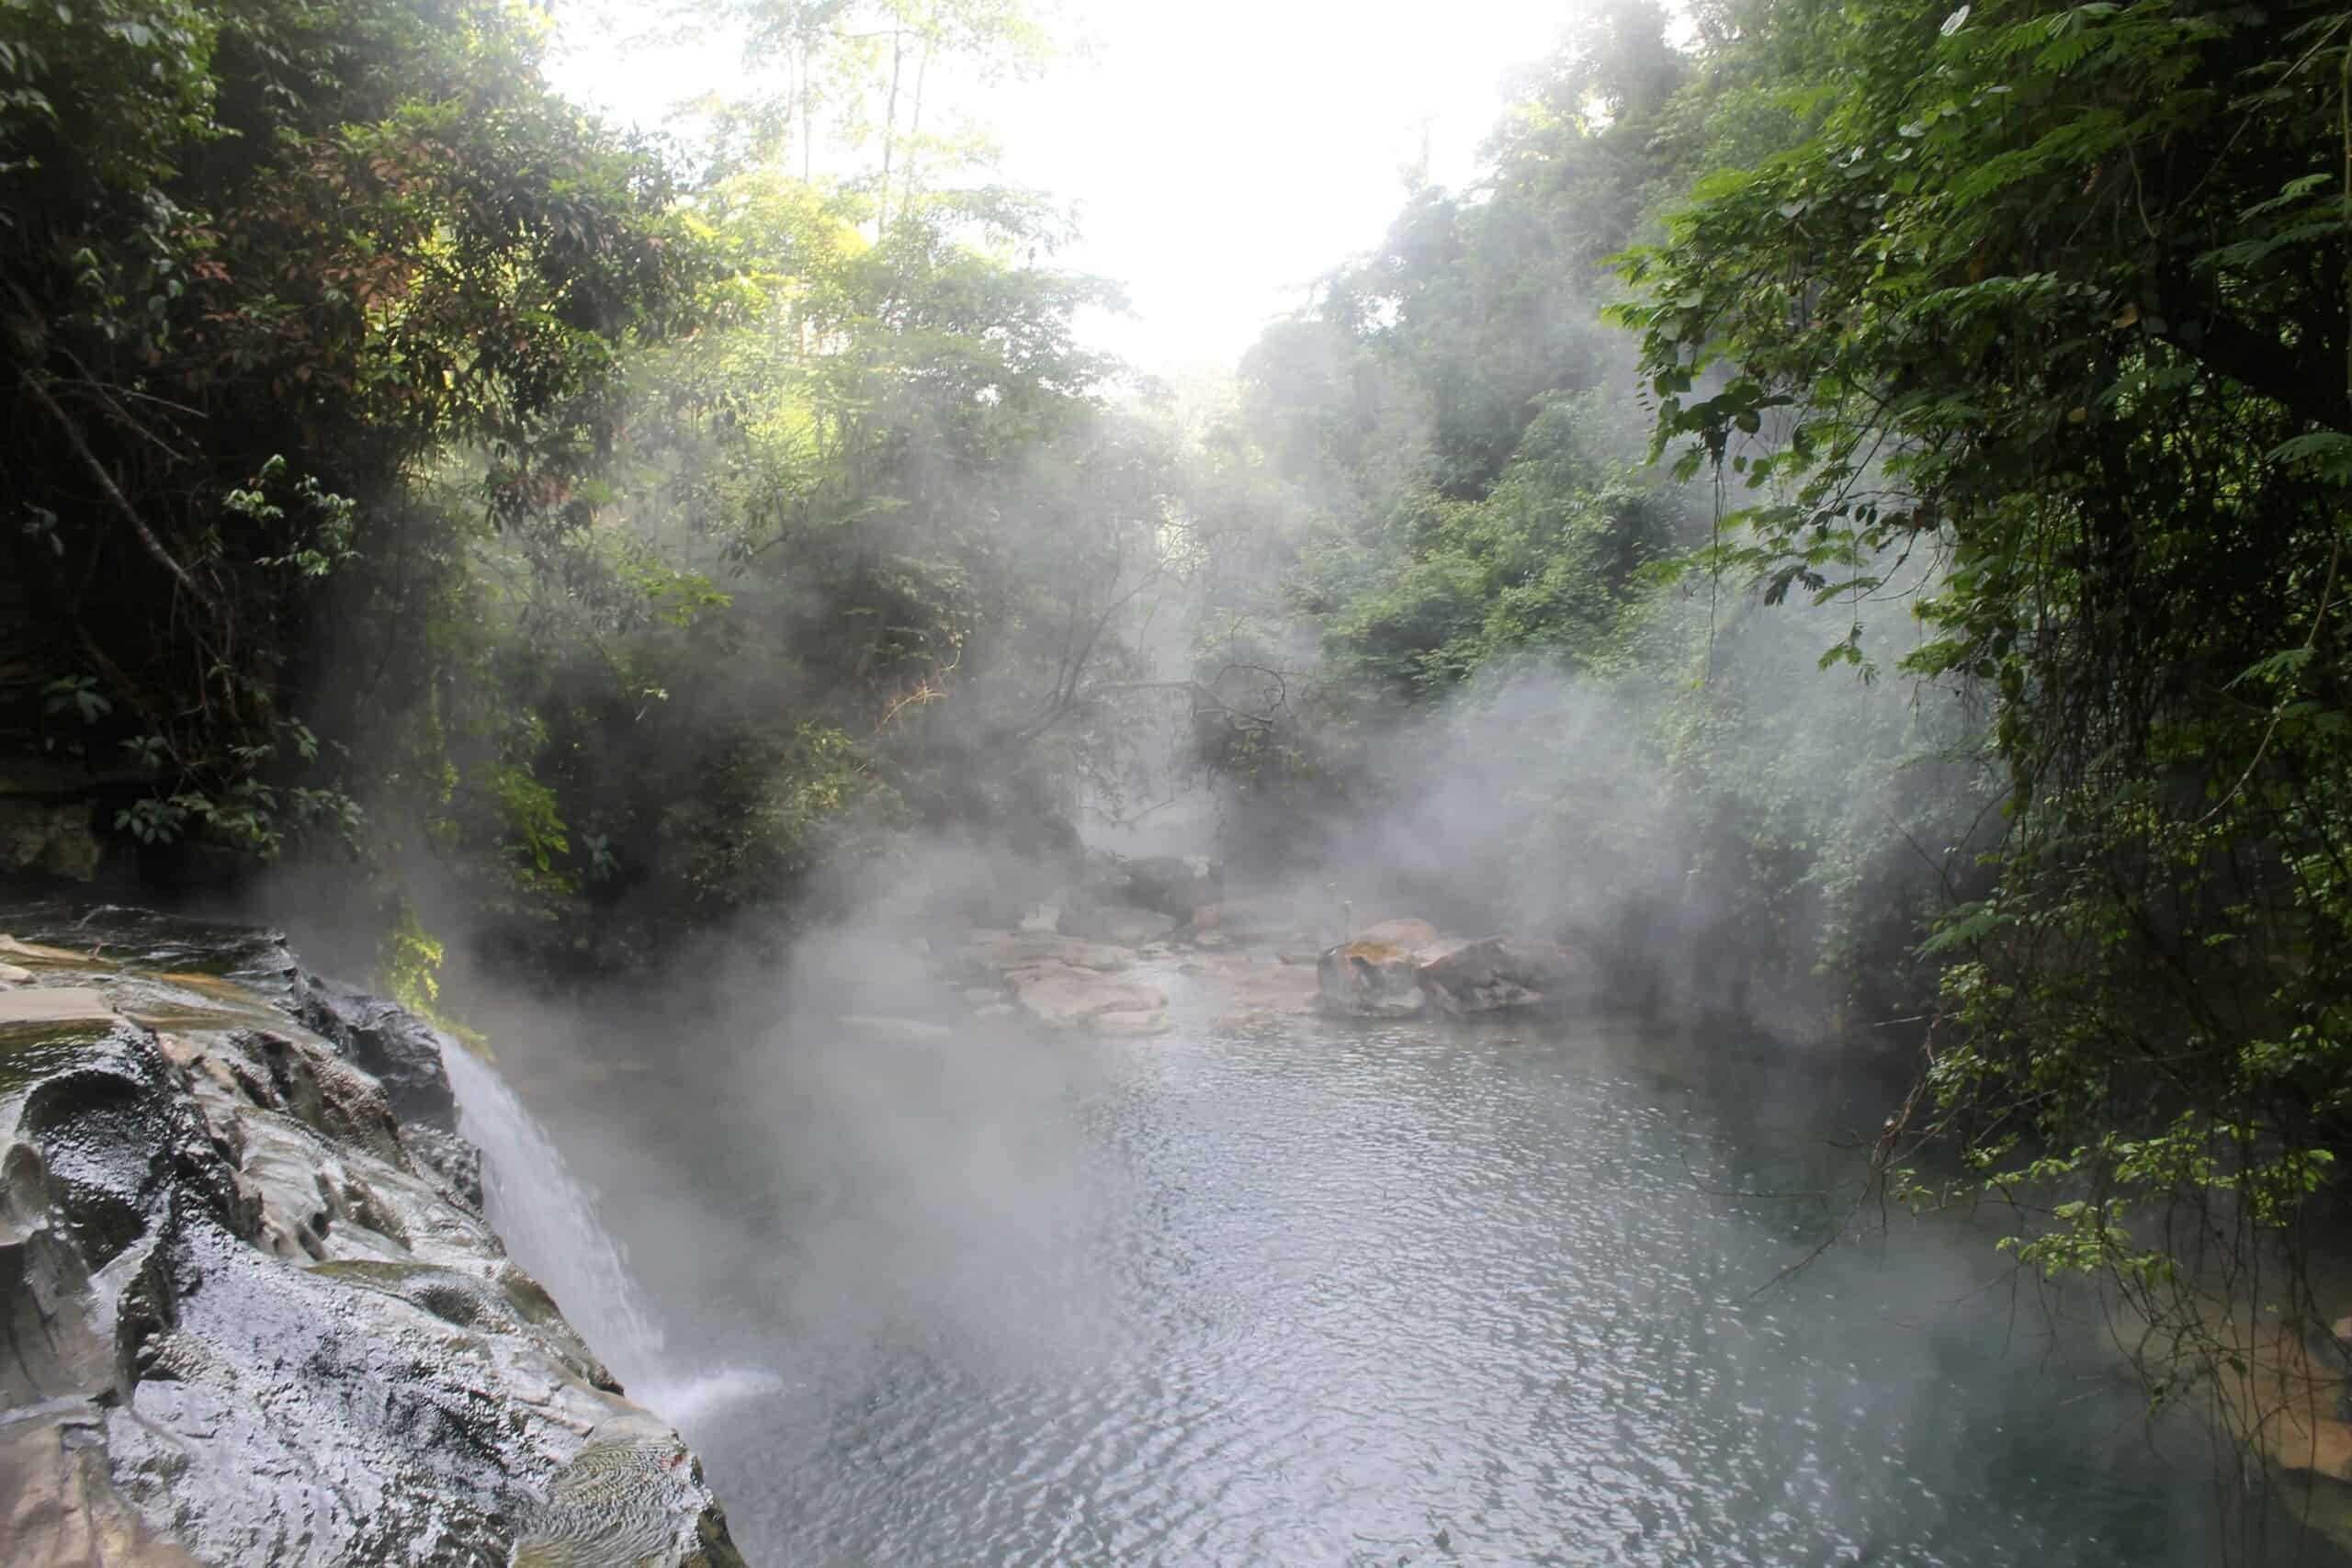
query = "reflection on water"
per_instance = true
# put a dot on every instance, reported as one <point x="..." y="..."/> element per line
<point x="1338" y="1297"/>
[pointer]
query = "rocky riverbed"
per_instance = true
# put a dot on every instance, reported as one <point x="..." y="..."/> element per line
<point x="1097" y="962"/>
<point x="254" y="1312"/>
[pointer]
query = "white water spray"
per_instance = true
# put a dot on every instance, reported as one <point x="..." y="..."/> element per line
<point x="549" y="1223"/>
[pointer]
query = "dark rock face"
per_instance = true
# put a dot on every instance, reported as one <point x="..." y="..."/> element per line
<point x="248" y="1321"/>
<point x="1503" y="972"/>
<point x="1372" y="978"/>
<point x="1173" y="885"/>
<point x="399" y="1049"/>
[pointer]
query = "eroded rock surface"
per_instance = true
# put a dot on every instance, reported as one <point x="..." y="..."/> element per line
<point x="249" y="1322"/>
<point x="1500" y="971"/>
<point x="1402" y="967"/>
<point x="1063" y="997"/>
<point x="1370" y="979"/>
<point x="1174" y="884"/>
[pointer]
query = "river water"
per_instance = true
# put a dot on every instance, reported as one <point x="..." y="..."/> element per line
<point x="1353" y="1296"/>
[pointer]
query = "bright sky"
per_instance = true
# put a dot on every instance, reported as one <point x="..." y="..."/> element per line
<point x="1220" y="155"/>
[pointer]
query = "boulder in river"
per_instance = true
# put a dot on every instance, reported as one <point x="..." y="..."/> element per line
<point x="249" y="1325"/>
<point x="1501" y="971"/>
<point x="1370" y="979"/>
<point x="1174" y="884"/>
<point x="1122" y="925"/>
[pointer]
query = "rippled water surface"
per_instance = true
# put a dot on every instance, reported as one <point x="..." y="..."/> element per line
<point x="1329" y="1296"/>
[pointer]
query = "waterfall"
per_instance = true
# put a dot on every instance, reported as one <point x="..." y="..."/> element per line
<point x="548" y="1221"/>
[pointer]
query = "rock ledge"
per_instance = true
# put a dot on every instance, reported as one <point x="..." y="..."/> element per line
<point x="254" y="1317"/>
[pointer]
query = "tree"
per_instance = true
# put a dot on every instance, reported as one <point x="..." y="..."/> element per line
<point x="2057" y="296"/>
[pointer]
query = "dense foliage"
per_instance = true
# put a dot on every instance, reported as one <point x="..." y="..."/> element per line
<point x="1998" y="352"/>
<point x="2057" y="296"/>
<point x="1442" y="467"/>
<point x="404" y="467"/>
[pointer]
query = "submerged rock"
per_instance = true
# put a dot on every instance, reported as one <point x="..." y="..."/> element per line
<point x="1370" y="979"/>
<point x="249" y="1325"/>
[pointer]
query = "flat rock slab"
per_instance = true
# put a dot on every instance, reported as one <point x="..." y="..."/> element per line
<point x="1062" y="998"/>
<point x="32" y="953"/>
<point x="56" y="1004"/>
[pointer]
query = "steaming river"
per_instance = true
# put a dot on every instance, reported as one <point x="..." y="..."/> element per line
<point x="1345" y="1296"/>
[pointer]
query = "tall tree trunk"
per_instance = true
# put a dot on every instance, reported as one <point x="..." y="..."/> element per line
<point x="914" y="120"/>
<point x="808" y="118"/>
<point x="890" y="130"/>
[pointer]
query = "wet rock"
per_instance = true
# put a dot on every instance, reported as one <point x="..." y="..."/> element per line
<point x="1063" y="997"/>
<point x="1370" y="979"/>
<point x="1255" y="991"/>
<point x="34" y="952"/>
<point x="245" y="1326"/>
<point x="399" y="1050"/>
<point x="12" y="976"/>
<point x="632" y="1495"/>
<point x="1120" y="925"/>
<point x="48" y="839"/>
<point x="1174" y="884"/>
<point x="47" y="1009"/>
<point x="1500" y="973"/>
<point x="454" y="1165"/>
<point x="58" y="1502"/>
